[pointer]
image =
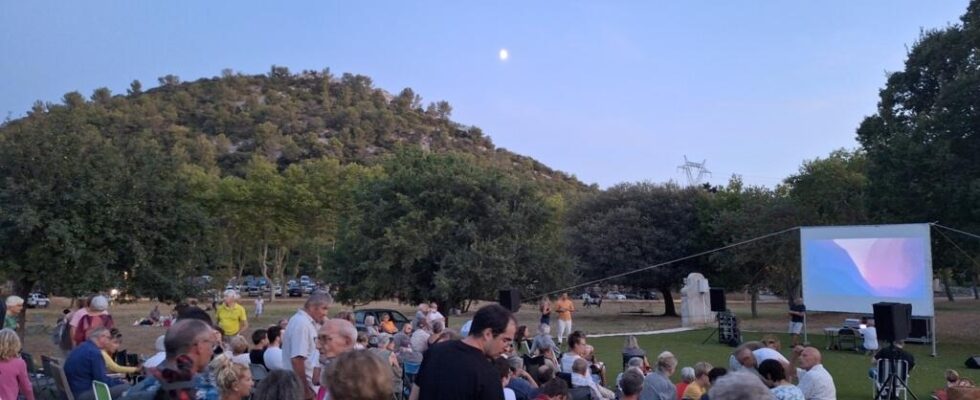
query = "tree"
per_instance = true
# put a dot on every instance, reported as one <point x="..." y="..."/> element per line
<point x="442" y="227"/>
<point x="923" y="141"/>
<point x="634" y="225"/>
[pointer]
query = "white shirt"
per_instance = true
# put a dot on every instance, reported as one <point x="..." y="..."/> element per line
<point x="420" y="341"/>
<point x="567" y="360"/>
<point x="299" y="340"/>
<point x="766" y="353"/>
<point x="870" y="338"/>
<point x="817" y="384"/>
<point x="155" y="360"/>
<point x="242" y="359"/>
<point x="273" y="358"/>
<point x="435" y="316"/>
<point x="509" y="394"/>
<point x="582" y="380"/>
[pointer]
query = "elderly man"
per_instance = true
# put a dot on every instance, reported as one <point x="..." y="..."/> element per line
<point x="14" y="305"/>
<point x="189" y="345"/>
<point x="739" y="385"/>
<point x="85" y="364"/>
<point x="657" y="385"/>
<point x="232" y="318"/>
<point x="580" y="378"/>
<point x="815" y="382"/>
<point x="460" y="369"/>
<point x="299" y="342"/>
<point x="336" y="337"/>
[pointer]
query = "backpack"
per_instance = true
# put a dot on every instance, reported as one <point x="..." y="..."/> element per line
<point x="89" y="322"/>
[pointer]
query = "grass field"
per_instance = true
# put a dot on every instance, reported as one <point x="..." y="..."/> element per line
<point x="958" y="326"/>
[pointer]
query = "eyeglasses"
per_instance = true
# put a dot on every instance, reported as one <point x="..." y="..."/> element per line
<point x="324" y="338"/>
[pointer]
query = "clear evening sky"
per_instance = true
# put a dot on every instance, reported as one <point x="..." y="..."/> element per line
<point x="610" y="91"/>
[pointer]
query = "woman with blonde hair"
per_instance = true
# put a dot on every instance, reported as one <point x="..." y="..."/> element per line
<point x="631" y="349"/>
<point x="13" y="369"/>
<point x="233" y="380"/>
<point x="358" y="375"/>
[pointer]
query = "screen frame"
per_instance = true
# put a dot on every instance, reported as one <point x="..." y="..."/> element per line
<point x="921" y="307"/>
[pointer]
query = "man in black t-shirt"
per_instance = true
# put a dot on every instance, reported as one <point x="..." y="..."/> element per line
<point x="896" y="351"/>
<point x="461" y="369"/>
<point x="797" y="311"/>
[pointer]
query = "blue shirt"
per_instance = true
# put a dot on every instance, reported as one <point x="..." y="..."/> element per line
<point x="147" y="389"/>
<point x="84" y="365"/>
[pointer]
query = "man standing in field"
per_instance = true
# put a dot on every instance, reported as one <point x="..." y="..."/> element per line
<point x="565" y="308"/>
<point x="232" y="318"/>
<point x="797" y="312"/>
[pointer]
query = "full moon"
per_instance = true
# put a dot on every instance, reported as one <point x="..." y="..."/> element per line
<point x="504" y="55"/>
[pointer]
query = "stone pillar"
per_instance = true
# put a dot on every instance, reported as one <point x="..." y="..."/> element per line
<point x="695" y="302"/>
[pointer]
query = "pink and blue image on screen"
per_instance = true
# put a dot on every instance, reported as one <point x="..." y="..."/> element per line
<point x="882" y="267"/>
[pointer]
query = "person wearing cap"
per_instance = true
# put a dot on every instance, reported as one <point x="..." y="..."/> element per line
<point x="14" y="305"/>
<point x="232" y="318"/>
<point x="94" y="316"/>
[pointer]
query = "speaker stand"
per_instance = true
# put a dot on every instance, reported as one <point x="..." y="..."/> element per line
<point x="892" y="383"/>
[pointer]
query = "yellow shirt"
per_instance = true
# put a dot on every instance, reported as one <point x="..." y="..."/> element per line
<point x="565" y="308"/>
<point x="113" y="368"/>
<point x="230" y="318"/>
<point x="693" y="391"/>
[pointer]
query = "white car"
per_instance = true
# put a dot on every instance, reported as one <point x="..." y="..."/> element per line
<point x="36" y="299"/>
<point x="615" y="296"/>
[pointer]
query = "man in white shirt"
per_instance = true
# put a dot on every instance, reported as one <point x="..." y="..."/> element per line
<point x="815" y="382"/>
<point x="299" y="352"/>
<point x="273" y="354"/>
<point x="870" y="335"/>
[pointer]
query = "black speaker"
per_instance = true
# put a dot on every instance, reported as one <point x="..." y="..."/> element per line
<point x="973" y="362"/>
<point x="718" y="300"/>
<point x="893" y="321"/>
<point x="510" y="299"/>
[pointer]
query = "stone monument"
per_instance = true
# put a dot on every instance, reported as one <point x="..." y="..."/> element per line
<point x="695" y="302"/>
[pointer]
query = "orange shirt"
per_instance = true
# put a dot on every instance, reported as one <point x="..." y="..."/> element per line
<point x="388" y="326"/>
<point x="564" y="308"/>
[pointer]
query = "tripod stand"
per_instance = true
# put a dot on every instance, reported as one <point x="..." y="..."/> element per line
<point x="897" y="372"/>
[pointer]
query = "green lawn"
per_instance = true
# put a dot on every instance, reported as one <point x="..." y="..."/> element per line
<point x="849" y="369"/>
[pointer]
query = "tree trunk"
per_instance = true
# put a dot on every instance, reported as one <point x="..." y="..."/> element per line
<point x="754" y="292"/>
<point x="23" y="288"/>
<point x="976" y="294"/>
<point x="279" y="268"/>
<point x="669" y="309"/>
<point x="946" y="272"/>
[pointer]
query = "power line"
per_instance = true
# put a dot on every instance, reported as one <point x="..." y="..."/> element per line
<point x="672" y="261"/>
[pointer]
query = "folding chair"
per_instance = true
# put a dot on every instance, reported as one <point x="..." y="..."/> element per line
<point x="29" y="360"/>
<point x="101" y="391"/>
<point x="884" y="368"/>
<point x="847" y="336"/>
<point x="409" y="371"/>
<point x="61" y="381"/>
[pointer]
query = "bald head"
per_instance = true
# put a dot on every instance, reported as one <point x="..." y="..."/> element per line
<point x="184" y="334"/>
<point x="810" y="357"/>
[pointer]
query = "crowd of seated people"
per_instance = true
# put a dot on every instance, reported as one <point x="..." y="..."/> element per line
<point x="193" y="361"/>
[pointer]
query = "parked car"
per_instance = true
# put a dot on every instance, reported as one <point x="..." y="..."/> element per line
<point x="294" y="291"/>
<point x="37" y="299"/>
<point x="615" y="296"/>
<point x="253" y="291"/>
<point x="633" y="296"/>
<point x="396" y="316"/>
<point x="650" y="295"/>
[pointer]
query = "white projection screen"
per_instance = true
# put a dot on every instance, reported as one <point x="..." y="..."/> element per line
<point x="849" y="268"/>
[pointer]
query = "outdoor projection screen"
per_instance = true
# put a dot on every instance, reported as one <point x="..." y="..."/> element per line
<point x="849" y="268"/>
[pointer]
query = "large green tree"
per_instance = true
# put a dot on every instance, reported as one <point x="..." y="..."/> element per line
<point x="635" y="225"/>
<point x="443" y="227"/>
